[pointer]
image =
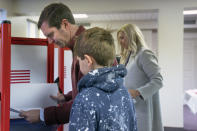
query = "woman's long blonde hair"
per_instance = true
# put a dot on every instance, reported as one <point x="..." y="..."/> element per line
<point x="135" y="41"/>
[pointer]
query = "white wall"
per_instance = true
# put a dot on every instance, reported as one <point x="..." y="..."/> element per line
<point x="7" y="4"/>
<point x="190" y="59"/>
<point x="147" y="28"/>
<point x="171" y="61"/>
<point x="18" y="26"/>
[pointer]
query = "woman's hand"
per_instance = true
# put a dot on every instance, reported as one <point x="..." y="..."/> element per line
<point x="134" y="93"/>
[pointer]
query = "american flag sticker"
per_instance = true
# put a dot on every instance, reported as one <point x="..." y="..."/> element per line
<point x="20" y="76"/>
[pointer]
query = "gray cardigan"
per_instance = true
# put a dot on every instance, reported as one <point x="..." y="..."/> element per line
<point x="144" y="76"/>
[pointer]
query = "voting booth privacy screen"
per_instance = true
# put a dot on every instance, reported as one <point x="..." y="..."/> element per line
<point x="28" y="68"/>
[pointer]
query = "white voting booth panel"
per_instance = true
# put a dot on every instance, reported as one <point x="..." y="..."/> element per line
<point x="67" y="69"/>
<point x="29" y="59"/>
<point x="67" y="75"/>
<point x="28" y="78"/>
<point x="67" y="72"/>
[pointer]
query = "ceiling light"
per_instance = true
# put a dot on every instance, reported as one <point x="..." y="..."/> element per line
<point x="80" y="16"/>
<point x="190" y="12"/>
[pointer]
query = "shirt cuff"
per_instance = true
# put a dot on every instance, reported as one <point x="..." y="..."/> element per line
<point x="42" y="114"/>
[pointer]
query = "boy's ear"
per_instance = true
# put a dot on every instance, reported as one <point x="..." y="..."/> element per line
<point x="89" y="59"/>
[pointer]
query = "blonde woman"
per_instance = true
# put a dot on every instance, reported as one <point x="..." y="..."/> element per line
<point x="143" y="79"/>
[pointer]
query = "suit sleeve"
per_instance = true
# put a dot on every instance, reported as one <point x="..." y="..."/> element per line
<point x="58" y="114"/>
<point x="68" y="96"/>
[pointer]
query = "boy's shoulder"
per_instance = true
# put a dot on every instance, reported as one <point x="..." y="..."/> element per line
<point x="86" y="94"/>
<point x="86" y="99"/>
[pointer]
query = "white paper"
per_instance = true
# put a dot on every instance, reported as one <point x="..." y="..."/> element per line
<point x="32" y="96"/>
<point x="30" y="57"/>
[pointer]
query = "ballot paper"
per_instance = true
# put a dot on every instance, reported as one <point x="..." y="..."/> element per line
<point x="31" y="96"/>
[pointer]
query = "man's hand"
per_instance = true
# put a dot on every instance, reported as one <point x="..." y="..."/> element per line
<point x="32" y="116"/>
<point x="59" y="98"/>
<point x="134" y="93"/>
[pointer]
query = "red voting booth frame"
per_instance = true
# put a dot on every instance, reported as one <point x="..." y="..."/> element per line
<point x="5" y="68"/>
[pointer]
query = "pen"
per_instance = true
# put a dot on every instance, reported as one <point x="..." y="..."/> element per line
<point x="14" y="110"/>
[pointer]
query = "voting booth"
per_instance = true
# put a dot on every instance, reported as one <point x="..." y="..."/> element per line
<point x="28" y="67"/>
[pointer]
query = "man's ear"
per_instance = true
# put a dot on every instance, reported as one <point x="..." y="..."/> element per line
<point x="89" y="59"/>
<point x="64" y="22"/>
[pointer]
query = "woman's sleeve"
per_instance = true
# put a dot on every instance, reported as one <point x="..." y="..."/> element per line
<point x="148" y="63"/>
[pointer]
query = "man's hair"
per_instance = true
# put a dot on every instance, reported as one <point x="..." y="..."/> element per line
<point x="54" y="14"/>
<point x="97" y="43"/>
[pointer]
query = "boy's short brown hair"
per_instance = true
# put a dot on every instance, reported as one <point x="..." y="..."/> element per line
<point x="98" y="43"/>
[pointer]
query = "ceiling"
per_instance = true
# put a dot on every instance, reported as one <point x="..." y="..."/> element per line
<point x="121" y="16"/>
<point x="34" y="7"/>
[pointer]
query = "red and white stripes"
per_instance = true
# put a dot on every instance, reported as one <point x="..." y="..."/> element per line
<point x="20" y="76"/>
